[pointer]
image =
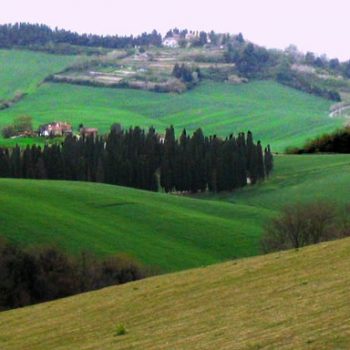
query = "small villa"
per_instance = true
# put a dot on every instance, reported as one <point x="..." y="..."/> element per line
<point x="55" y="129"/>
<point x="172" y="42"/>
<point x="88" y="132"/>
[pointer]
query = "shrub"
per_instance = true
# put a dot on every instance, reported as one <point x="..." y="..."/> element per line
<point x="20" y="125"/>
<point x="8" y="131"/>
<point x="120" y="329"/>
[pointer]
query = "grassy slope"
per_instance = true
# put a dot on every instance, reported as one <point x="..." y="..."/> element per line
<point x="167" y="231"/>
<point x="276" y="114"/>
<point x="300" y="179"/>
<point x="22" y="71"/>
<point x="290" y="300"/>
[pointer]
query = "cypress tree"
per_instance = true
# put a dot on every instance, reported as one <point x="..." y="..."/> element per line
<point x="260" y="162"/>
<point x="241" y="160"/>
<point x="167" y="178"/>
<point x="268" y="160"/>
<point x="228" y="153"/>
<point x="27" y="163"/>
<point x="249" y="153"/>
<point x="198" y="162"/>
<point x="16" y="164"/>
<point x="4" y="163"/>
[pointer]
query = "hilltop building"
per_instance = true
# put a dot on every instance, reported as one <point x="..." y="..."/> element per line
<point x="172" y="41"/>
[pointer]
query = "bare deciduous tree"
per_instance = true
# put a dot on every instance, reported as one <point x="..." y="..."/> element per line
<point x="301" y="224"/>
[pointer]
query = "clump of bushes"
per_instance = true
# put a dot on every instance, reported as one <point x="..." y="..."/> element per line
<point x="8" y="131"/>
<point x="299" y="225"/>
<point x="188" y="75"/>
<point x="21" y="126"/>
<point x="336" y="142"/>
<point x="30" y="276"/>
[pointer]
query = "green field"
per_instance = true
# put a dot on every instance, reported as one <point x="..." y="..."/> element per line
<point x="276" y="114"/>
<point x="298" y="179"/>
<point x="22" y="71"/>
<point x="292" y="300"/>
<point x="167" y="231"/>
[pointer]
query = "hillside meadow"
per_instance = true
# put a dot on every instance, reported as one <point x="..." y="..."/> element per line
<point x="298" y="179"/>
<point x="291" y="300"/>
<point x="168" y="232"/>
<point x="276" y="114"/>
<point x="164" y="231"/>
<point x="22" y="71"/>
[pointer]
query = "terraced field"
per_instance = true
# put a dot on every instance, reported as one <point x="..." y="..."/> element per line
<point x="276" y="114"/>
<point x="291" y="300"/>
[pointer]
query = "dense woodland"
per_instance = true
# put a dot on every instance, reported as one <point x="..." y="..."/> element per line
<point x="139" y="159"/>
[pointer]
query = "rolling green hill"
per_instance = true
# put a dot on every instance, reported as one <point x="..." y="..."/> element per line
<point x="299" y="179"/>
<point x="291" y="300"/>
<point x="21" y="71"/>
<point x="276" y="114"/>
<point x="171" y="232"/>
<point x="166" y="231"/>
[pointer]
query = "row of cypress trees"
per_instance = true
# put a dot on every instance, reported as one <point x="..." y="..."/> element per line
<point x="199" y="163"/>
<point x="140" y="159"/>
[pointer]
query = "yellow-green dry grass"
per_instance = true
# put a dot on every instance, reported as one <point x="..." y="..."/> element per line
<point x="289" y="300"/>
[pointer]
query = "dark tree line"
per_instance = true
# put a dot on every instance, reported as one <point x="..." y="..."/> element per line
<point x="26" y="34"/>
<point x="135" y="158"/>
<point x="336" y="142"/>
<point x="42" y="274"/>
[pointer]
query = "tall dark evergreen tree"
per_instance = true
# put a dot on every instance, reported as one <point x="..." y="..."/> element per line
<point x="260" y="162"/>
<point x="198" y="165"/>
<point x="268" y="160"/>
<point x="167" y="177"/>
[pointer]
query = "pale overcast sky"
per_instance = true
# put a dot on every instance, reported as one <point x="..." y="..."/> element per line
<point x="320" y="26"/>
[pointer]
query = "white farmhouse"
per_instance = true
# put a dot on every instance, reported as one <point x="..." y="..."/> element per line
<point x="171" y="42"/>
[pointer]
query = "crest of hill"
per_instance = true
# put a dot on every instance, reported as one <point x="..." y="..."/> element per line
<point x="290" y="300"/>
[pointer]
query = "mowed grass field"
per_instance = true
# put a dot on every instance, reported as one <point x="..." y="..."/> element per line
<point x="291" y="300"/>
<point x="22" y="71"/>
<point x="164" y="231"/>
<point x="276" y="114"/>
